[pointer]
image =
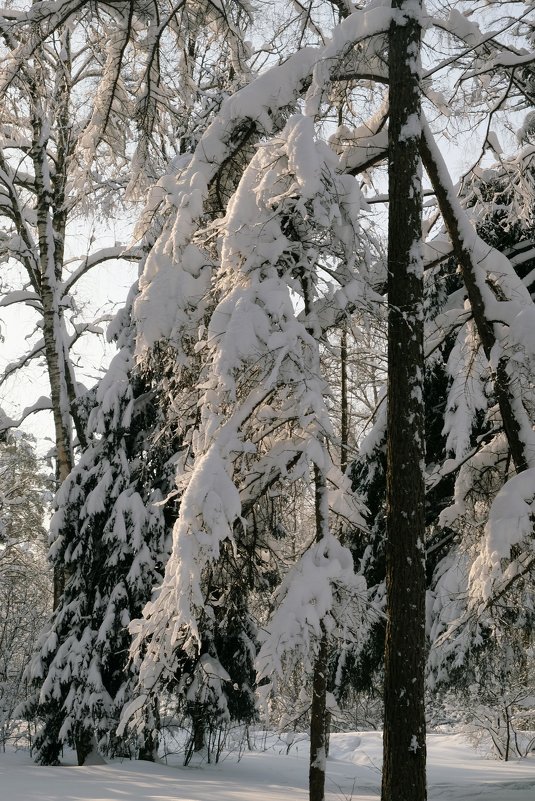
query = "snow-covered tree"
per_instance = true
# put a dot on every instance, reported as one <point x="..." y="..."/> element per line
<point x="25" y="579"/>
<point x="263" y="421"/>
<point x="482" y="608"/>
<point x="97" y="101"/>
<point x="110" y="530"/>
<point x="45" y="82"/>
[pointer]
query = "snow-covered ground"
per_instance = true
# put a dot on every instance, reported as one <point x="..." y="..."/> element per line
<point x="456" y="773"/>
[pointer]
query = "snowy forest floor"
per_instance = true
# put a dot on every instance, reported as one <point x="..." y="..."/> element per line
<point x="456" y="773"/>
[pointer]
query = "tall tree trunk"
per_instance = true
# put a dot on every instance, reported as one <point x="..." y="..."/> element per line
<point x="404" y="776"/>
<point x="59" y="398"/>
<point x="199" y="724"/>
<point x="54" y="336"/>
<point x="148" y="750"/>
<point x="318" y="711"/>
<point x="344" y="438"/>
<point x="344" y="403"/>
<point x="318" y="723"/>
<point x="51" y="213"/>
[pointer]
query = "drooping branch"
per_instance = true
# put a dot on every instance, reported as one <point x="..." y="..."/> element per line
<point x="116" y="252"/>
<point x="42" y="404"/>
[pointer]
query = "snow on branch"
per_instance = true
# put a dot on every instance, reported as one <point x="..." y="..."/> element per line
<point x="13" y="367"/>
<point x="508" y="530"/>
<point x="260" y="367"/>
<point x="174" y="268"/>
<point x="111" y="93"/>
<point x="117" y="252"/>
<point x="21" y="296"/>
<point x="41" y="405"/>
<point x="356" y="28"/>
<point x="501" y="305"/>
<point x="468" y="372"/>
<point x="365" y="145"/>
<point x="257" y="108"/>
<point x="473" y="581"/>
<point x="321" y="590"/>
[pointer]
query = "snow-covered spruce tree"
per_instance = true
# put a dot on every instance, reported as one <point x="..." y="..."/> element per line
<point x="263" y="421"/>
<point x="25" y="577"/>
<point x="110" y="529"/>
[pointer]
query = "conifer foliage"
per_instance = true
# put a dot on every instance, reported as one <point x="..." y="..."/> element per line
<point x="109" y="531"/>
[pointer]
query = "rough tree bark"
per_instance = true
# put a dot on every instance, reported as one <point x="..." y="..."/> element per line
<point x="404" y="777"/>
<point x="318" y="722"/>
<point x="51" y="221"/>
<point x="318" y="710"/>
<point x="344" y="402"/>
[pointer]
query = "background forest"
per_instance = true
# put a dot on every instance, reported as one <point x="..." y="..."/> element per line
<point x="219" y="515"/>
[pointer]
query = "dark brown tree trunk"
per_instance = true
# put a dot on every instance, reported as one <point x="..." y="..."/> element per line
<point x="319" y="719"/>
<point x="404" y="777"/>
<point x="84" y="744"/>
<point x="344" y="403"/>
<point x="197" y="739"/>
<point x="148" y="750"/>
<point x="199" y="732"/>
<point x="318" y="723"/>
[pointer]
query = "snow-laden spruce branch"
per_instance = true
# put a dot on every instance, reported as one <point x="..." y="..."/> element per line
<point x="321" y="592"/>
<point x="505" y="318"/>
<point x="462" y="618"/>
<point x="261" y="366"/>
<point x="256" y="109"/>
